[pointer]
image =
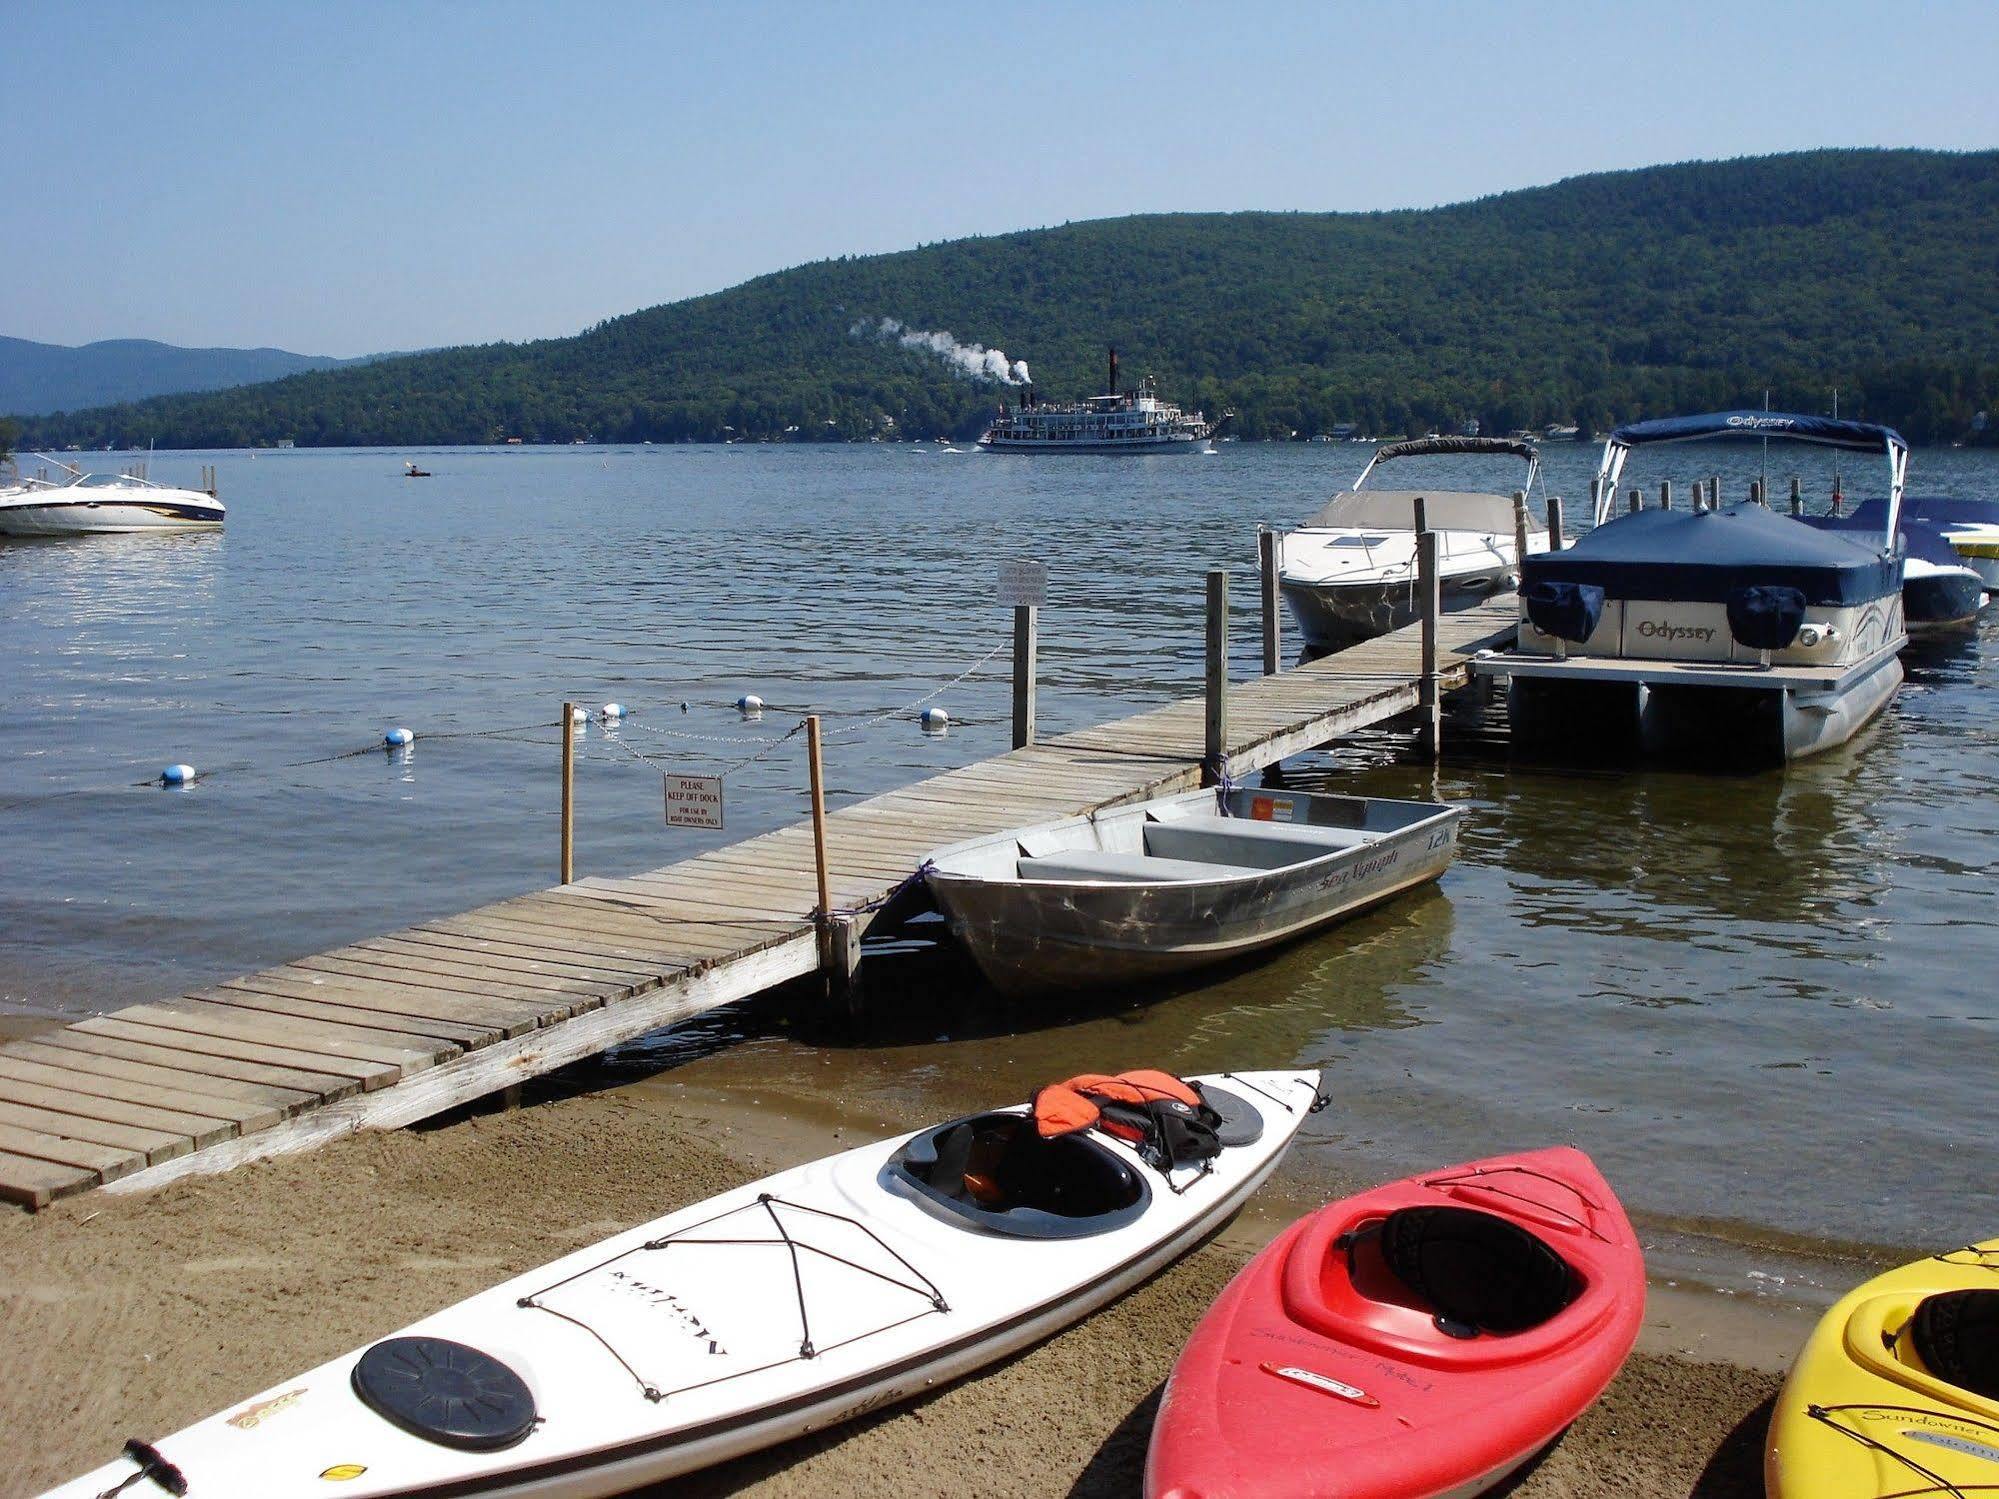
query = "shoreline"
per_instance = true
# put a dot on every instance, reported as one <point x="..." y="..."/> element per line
<point x="135" y="1315"/>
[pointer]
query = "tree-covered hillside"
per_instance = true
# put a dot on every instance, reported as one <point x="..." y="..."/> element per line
<point x="1595" y="300"/>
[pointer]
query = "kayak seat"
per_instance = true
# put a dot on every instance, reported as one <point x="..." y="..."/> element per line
<point x="1956" y="1334"/>
<point x="1476" y="1268"/>
<point x="1246" y="841"/>
<point x="1123" y="869"/>
<point x="996" y="1172"/>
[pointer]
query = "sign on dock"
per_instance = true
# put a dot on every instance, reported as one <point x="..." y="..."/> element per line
<point x="693" y="801"/>
<point x="1023" y="585"/>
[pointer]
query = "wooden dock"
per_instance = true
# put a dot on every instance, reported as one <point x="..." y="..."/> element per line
<point x="388" y="1031"/>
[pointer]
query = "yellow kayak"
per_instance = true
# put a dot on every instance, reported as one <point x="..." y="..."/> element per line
<point x="1897" y="1391"/>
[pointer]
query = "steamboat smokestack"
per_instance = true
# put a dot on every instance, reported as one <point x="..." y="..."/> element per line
<point x="1113" y="389"/>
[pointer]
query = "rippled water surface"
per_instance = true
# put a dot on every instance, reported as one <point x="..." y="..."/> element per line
<point x="1765" y="1003"/>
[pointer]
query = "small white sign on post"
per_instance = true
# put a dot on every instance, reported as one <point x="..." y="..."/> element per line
<point x="693" y="801"/>
<point x="1023" y="585"/>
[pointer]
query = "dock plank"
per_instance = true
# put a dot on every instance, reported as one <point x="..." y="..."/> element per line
<point x="35" y="1184"/>
<point x="51" y="1088"/>
<point x="154" y="1145"/>
<point x="250" y="1106"/>
<point x="324" y="1086"/>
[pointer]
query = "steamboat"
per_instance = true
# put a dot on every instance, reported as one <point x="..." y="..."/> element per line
<point x="1123" y="421"/>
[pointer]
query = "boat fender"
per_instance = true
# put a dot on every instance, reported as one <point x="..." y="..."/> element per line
<point x="1567" y="611"/>
<point x="445" y="1392"/>
<point x="1766" y="616"/>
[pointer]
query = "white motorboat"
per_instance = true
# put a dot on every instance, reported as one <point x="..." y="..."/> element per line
<point x="1179" y="883"/>
<point x="1349" y="573"/>
<point x="86" y="504"/>
<point x="1729" y="635"/>
<point x="785" y="1306"/>
<point x="1971" y="527"/>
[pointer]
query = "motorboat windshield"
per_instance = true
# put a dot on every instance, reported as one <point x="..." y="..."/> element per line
<point x="1359" y="509"/>
<point x="1773" y="426"/>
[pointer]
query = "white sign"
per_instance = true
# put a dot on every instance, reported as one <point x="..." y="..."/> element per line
<point x="694" y="801"/>
<point x="1024" y="585"/>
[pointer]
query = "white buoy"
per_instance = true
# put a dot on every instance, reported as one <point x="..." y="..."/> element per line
<point x="177" y="775"/>
<point x="614" y="710"/>
<point x="749" y="703"/>
<point x="577" y="715"/>
<point x="935" y="719"/>
<point x="397" y="738"/>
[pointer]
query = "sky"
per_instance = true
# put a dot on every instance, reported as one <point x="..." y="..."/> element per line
<point x="355" y="177"/>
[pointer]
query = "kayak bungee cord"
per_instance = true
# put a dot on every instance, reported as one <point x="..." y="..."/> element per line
<point x="1939" y="1484"/>
<point x="1479" y="1179"/>
<point x="1981" y="1259"/>
<point x="1319" y="1100"/>
<point x="928" y="1291"/>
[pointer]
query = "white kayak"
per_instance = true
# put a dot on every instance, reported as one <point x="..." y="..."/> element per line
<point x="780" y="1308"/>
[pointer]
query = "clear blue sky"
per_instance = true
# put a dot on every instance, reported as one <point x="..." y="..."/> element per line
<point x="345" y="178"/>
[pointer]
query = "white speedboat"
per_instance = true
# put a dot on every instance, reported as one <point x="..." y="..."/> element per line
<point x="86" y="504"/>
<point x="1728" y="635"/>
<point x="784" y="1306"/>
<point x="1971" y="527"/>
<point x="1349" y="573"/>
<point x="1178" y="883"/>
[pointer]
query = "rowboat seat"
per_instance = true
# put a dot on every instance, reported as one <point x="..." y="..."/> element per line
<point x="1125" y="869"/>
<point x="1245" y="841"/>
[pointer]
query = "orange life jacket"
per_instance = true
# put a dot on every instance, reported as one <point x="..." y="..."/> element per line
<point x="1065" y="1108"/>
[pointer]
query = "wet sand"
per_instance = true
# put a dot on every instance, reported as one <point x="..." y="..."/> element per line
<point x="134" y="1315"/>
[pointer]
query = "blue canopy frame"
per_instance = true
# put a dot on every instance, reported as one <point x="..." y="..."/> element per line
<point x="1780" y="426"/>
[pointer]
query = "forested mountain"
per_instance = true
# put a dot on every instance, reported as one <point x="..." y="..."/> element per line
<point x="37" y="378"/>
<point x="1595" y="300"/>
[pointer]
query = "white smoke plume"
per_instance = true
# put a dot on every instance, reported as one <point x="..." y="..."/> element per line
<point x="972" y="361"/>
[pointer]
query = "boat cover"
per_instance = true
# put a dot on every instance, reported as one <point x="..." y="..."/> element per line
<point x="1789" y="426"/>
<point x="1920" y="538"/>
<point x="1936" y="511"/>
<point x="1568" y="611"/>
<point x="1705" y="556"/>
<point x="1766" y="616"/>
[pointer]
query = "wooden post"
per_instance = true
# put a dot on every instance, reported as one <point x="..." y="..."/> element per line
<point x="568" y="792"/>
<point x="1216" y="747"/>
<point x="1665" y="494"/>
<point x="1429" y="558"/>
<point x="1838" y="499"/>
<point x="1555" y="522"/>
<point x="1519" y="529"/>
<point x="1714" y="492"/>
<point x="1595" y="499"/>
<point x="1267" y="542"/>
<point x="1025" y="640"/>
<point x="1797" y="495"/>
<point x="1756" y="492"/>
<point x="1637" y="499"/>
<point x="817" y="775"/>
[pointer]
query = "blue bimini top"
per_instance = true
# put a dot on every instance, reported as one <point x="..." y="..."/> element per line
<point x="1708" y="556"/>
<point x="1786" y="426"/>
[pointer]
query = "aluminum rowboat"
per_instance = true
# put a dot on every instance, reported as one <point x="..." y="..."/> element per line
<point x="1161" y="887"/>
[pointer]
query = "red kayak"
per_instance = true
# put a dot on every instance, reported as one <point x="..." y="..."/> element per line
<point x="1423" y="1339"/>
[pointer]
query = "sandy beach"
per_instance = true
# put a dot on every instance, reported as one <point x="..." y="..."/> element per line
<point x="136" y="1314"/>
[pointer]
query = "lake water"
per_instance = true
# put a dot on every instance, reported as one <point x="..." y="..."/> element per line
<point x="1763" y="1002"/>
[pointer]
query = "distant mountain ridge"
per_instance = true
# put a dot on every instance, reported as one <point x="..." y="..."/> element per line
<point x="1595" y="300"/>
<point x="38" y="378"/>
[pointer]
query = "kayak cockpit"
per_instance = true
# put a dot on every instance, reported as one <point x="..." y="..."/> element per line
<point x="996" y="1172"/>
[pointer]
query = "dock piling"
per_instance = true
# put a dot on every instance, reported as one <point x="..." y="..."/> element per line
<point x="568" y="793"/>
<point x="1026" y="632"/>
<point x="1519" y="529"/>
<point x="1429" y="558"/>
<point x="1665" y="494"/>
<point x="1267" y="544"/>
<point x="1555" y="522"/>
<point x="1637" y="499"/>
<point x="1216" y="741"/>
<point x="1756" y="492"/>
<point x="1797" y="495"/>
